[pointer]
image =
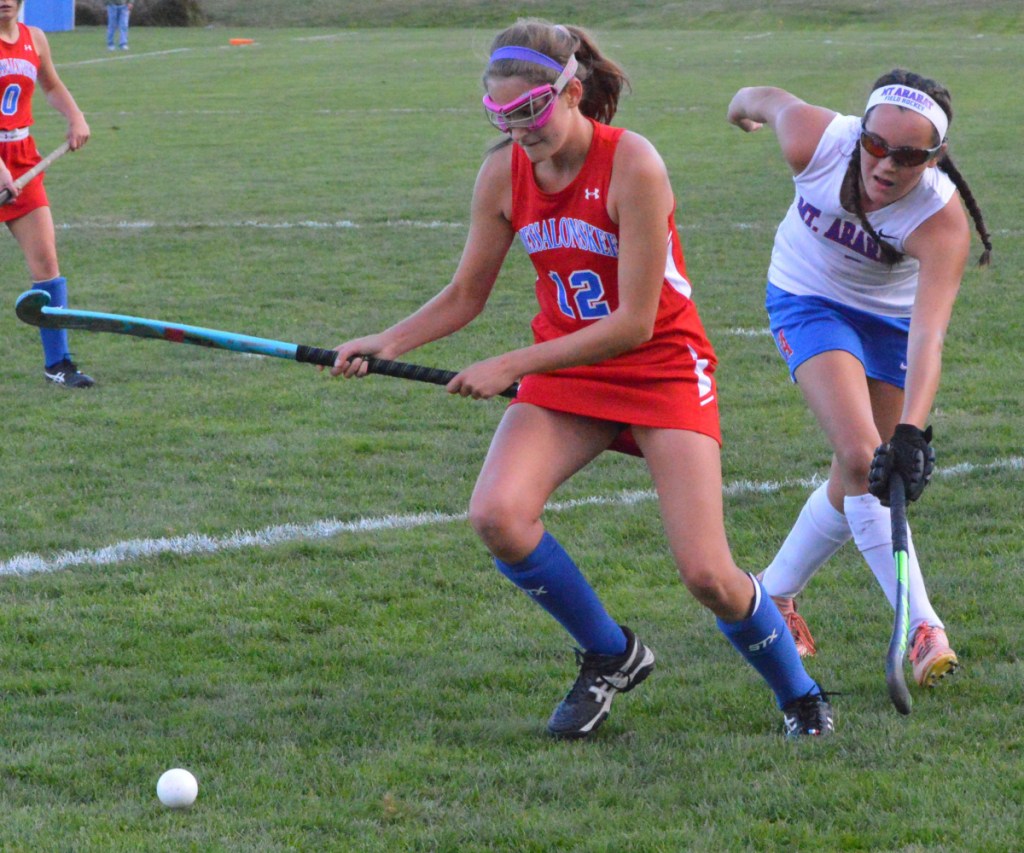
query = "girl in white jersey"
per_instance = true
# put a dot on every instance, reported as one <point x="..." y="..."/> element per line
<point x="864" y="273"/>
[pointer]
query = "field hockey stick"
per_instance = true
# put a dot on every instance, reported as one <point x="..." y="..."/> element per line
<point x="33" y="307"/>
<point x="22" y="180"/>
<point x="901" y="626"/>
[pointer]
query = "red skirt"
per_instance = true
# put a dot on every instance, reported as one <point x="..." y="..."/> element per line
<point x="684" y="397"/>
<point x="19" y="157"/>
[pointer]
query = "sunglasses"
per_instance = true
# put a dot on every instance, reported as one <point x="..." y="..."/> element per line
<point x="532" y="110"/>
<point x="903" y="156"/>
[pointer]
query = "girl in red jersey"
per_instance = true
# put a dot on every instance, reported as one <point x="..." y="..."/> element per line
<point x="24" y="60"/>
<point x="619" y="360"/>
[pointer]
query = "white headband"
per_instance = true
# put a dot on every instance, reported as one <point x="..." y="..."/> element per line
<point x="911" y="99"/>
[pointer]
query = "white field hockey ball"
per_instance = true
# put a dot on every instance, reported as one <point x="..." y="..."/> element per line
<point x="177" y="788"/>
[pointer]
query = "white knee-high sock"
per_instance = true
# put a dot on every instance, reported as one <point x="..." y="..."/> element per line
<point x="872" y="532"/>
<point x="820" y="530"/>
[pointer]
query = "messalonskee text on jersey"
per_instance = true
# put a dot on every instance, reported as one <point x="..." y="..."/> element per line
<point x="567" y="233"/>
<point x="21" y="67"/>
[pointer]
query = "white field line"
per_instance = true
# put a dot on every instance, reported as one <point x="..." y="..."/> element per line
<point x="348" y="34"/>
<point x="339" y="111"/>
<point x="342" y="224"/>
<point x="737" y="332"/>
<point x="194" y="543"/>
<point x="122" y="57"/>
<point x="148" y="224"/>
<point x="320" y="111"/>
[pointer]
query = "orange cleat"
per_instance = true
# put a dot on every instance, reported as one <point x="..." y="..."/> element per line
<point x="931" y="655"/>
<point x="797" y="626"/>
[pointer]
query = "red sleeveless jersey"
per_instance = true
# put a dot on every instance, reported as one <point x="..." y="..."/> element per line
<point x="19" y="67"/>
<point x="573" y="243"/>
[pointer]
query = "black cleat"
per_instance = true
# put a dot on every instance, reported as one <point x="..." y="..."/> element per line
<point x="67" y="373"/>
<point x="586" y="706"/>
<point x="810" y="715"/>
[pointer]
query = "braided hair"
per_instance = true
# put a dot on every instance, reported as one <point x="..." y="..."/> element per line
<point x="852" y="198"/>
<point x="603" y="80"/>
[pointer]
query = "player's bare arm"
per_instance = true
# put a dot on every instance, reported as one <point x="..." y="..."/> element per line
<point x="942" y="245"/>
<point x="797" y="125"/>
<point x="7" y="180"/>
<point x="640" y="200"/>
<point x="57" y="94"/>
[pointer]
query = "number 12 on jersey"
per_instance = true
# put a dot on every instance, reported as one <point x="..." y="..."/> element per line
<point x="584" y="298"/>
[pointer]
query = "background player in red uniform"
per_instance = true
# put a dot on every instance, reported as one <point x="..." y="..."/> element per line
<point x="619" y="360"/>
<point x="24" y="60"/>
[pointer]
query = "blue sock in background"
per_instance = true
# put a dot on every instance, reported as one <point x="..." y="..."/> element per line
<point x="550" y="577"/>
<point x="764" y="640"/>
<point x="55" y="341"/>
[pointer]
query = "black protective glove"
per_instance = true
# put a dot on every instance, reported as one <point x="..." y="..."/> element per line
<point x="908" y="453"/>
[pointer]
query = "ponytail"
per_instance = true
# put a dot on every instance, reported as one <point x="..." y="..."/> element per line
<point x="603" y="80"/>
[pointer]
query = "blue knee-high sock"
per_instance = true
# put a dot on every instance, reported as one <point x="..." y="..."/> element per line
<point x="764" y="640"/>
<point x="55" y="341"/>
<point x="550" y="577"/>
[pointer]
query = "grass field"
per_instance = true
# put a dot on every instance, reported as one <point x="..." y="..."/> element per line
<point x="239" y="566"/>
<point x="934" y="15"/>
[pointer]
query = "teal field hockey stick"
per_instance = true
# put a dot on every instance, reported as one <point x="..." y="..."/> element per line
<point x="33" y="307"/>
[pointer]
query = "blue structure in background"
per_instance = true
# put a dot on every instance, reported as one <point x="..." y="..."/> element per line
<point x="50" y="16"/>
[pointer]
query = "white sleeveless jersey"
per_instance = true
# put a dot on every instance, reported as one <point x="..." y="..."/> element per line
<point x="822" y="250"/>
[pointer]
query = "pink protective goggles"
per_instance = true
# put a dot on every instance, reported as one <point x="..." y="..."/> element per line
<point x="532" y="110"/>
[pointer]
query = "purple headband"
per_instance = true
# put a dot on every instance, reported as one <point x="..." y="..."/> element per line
<point x="525" y="54"/>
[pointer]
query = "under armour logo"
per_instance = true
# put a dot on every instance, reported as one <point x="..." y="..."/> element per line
<point x="763" y="644"/>
<point x="591" y="195"/>
<point x="536" y="592"/>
